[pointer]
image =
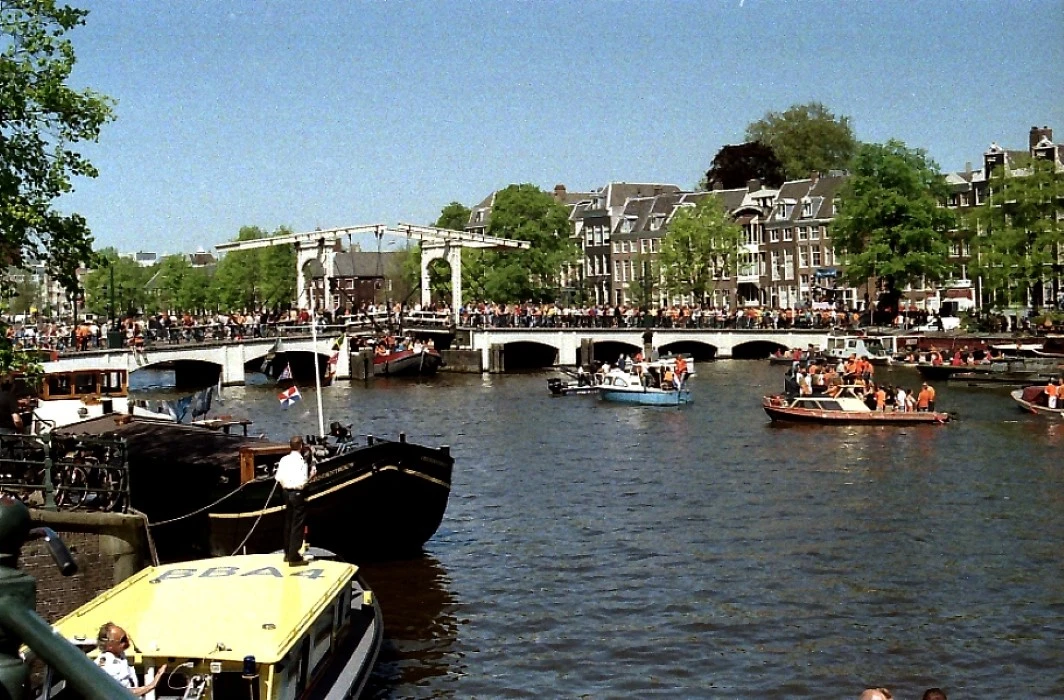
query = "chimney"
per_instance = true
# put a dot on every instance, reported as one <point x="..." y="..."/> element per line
<point x="753" y="185"/>
<point x="814" y="176"/>
<point x="559" y="193"/>
<point x="718" y="185"/>
<point x="967" y="166"/>
<point x="1037" y="134"/>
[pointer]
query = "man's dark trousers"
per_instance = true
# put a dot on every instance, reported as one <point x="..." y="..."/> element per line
<point x="295" y="519"/>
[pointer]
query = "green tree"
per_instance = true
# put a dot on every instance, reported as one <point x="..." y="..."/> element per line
<point x="806" y="138"/>
<point x="701" y="245"/>
<point x="257" y="278"/>
<point x="734" y="166"/>
<point x="1021" y="227"/>
<point x="890" y="224"/>
<point x="643" y="290"/>
<point x="454" y="216"/>
<point x="524" y="212"/>
<point x="130" y="280"/>
<point x="42" y="121"/>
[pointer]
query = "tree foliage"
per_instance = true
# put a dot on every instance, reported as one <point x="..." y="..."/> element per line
<point x="806" y="138"/>
<point x="526" y="213"/>
<point x="701" y="244"/>
<point x="1022" y="232"/>
<point x="129" y="291"/>
<point x="42" y="120"/>
<point x="454" y="216"/>
<point x="734" y="166"/>
<point x="178" y="287"/>
<point x="257" y="278"/>
<point x="890" y="224"/>
<point x="642" y="291"/>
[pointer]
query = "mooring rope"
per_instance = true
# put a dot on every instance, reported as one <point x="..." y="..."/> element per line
<point x="210" y="505"/>
<point x="255" y="524"/>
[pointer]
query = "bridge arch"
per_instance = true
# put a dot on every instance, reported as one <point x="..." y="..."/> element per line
<point x="610" y="350"/>
<point x="757" y="349"/>
<point x="696" y="349"/>
<point x="528" y="354"/>
<point x="187" y="373"/>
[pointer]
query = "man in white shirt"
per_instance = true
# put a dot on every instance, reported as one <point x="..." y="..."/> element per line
<point x="112" y="642"/>
<point x="292" y="475"/>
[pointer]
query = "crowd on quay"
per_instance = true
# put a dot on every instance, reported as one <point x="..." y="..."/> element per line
<point x="824" y="376"/>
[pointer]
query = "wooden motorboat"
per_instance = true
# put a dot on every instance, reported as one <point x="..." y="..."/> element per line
<point x="845" y="407"/>
<point x="1027" y="371"/>
<point x="211" y="493"/>
<point x="247" y="626"/>
<point x="1033" y="399"/>
<point x="421" y="361"/>
<point x="644" y="385"/>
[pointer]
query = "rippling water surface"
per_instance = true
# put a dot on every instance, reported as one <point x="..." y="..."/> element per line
<point x="598" y="550"/>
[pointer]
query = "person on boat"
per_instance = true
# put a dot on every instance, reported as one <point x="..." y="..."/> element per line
<point x="1052" y="392"/>
<point x="934" y="694"/>
<point x="901" y="399"/>
<point x="923" y="401"/>
<point x="681" y="370"/>
<point x="876" y="694"/>
<point x="881" y="398"/>
<point x="10" y="416"/>
<point x="292" y="475"/>
<point x="668" y="381"/>
<point x="112" y="641"/>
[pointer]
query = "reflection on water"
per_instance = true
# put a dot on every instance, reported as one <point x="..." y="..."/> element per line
<point x="420" y="625"/>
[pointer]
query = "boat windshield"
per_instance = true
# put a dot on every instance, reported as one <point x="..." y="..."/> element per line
<point x="875" y="346"/>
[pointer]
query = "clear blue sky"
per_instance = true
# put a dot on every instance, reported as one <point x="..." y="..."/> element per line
<point x="321" y="114"/>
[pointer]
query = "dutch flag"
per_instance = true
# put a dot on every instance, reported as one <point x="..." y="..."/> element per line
<point x="289" y="396"/>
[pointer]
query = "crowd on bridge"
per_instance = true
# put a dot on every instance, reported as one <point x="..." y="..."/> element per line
<point x="488" y="315"/>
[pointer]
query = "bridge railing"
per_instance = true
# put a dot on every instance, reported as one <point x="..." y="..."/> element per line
<point x="217" y="334"/>
<point x="633" y="322"/>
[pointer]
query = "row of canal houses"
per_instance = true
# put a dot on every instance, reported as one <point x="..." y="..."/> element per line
<point x="787" y="259"/>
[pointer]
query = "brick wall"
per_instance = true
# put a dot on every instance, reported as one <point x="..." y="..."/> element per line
<point x="107" y="547"/>
<point x="58" y="595"/>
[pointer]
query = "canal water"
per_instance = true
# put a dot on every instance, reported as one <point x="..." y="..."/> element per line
<point x="603" y="551"/>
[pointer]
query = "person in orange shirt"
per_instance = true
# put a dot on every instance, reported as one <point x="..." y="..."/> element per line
<point x="924" y="400"/>
<point x="881" y="399"/>
<point x="1051" y="392"/>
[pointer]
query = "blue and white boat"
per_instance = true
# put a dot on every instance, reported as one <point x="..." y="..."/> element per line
<point x="646" y="385"/>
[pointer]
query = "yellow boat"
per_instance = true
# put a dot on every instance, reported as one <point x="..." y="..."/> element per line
<point x="249" y="627"/>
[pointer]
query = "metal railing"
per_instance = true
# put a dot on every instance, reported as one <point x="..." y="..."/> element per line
<point x="66" y="473"/>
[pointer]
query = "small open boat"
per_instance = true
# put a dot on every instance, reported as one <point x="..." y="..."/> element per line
<point x="247" y="626"/>
<point x="845" y="407"/>
<point x="1033" y="399"/>
<point x="560" y="387"/>
<point x="421" y="361"/>
<point x="645" y="385"/>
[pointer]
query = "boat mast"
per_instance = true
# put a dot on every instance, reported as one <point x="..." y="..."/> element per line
<point x="317" y="373"/>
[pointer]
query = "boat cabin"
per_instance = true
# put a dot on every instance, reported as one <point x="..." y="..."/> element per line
<point x="84" y="383"/>
<point x="843" y="346"/>
<point x="246" y="626"/>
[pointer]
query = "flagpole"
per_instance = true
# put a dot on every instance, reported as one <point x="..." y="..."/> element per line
<point x="317" y="373"/>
